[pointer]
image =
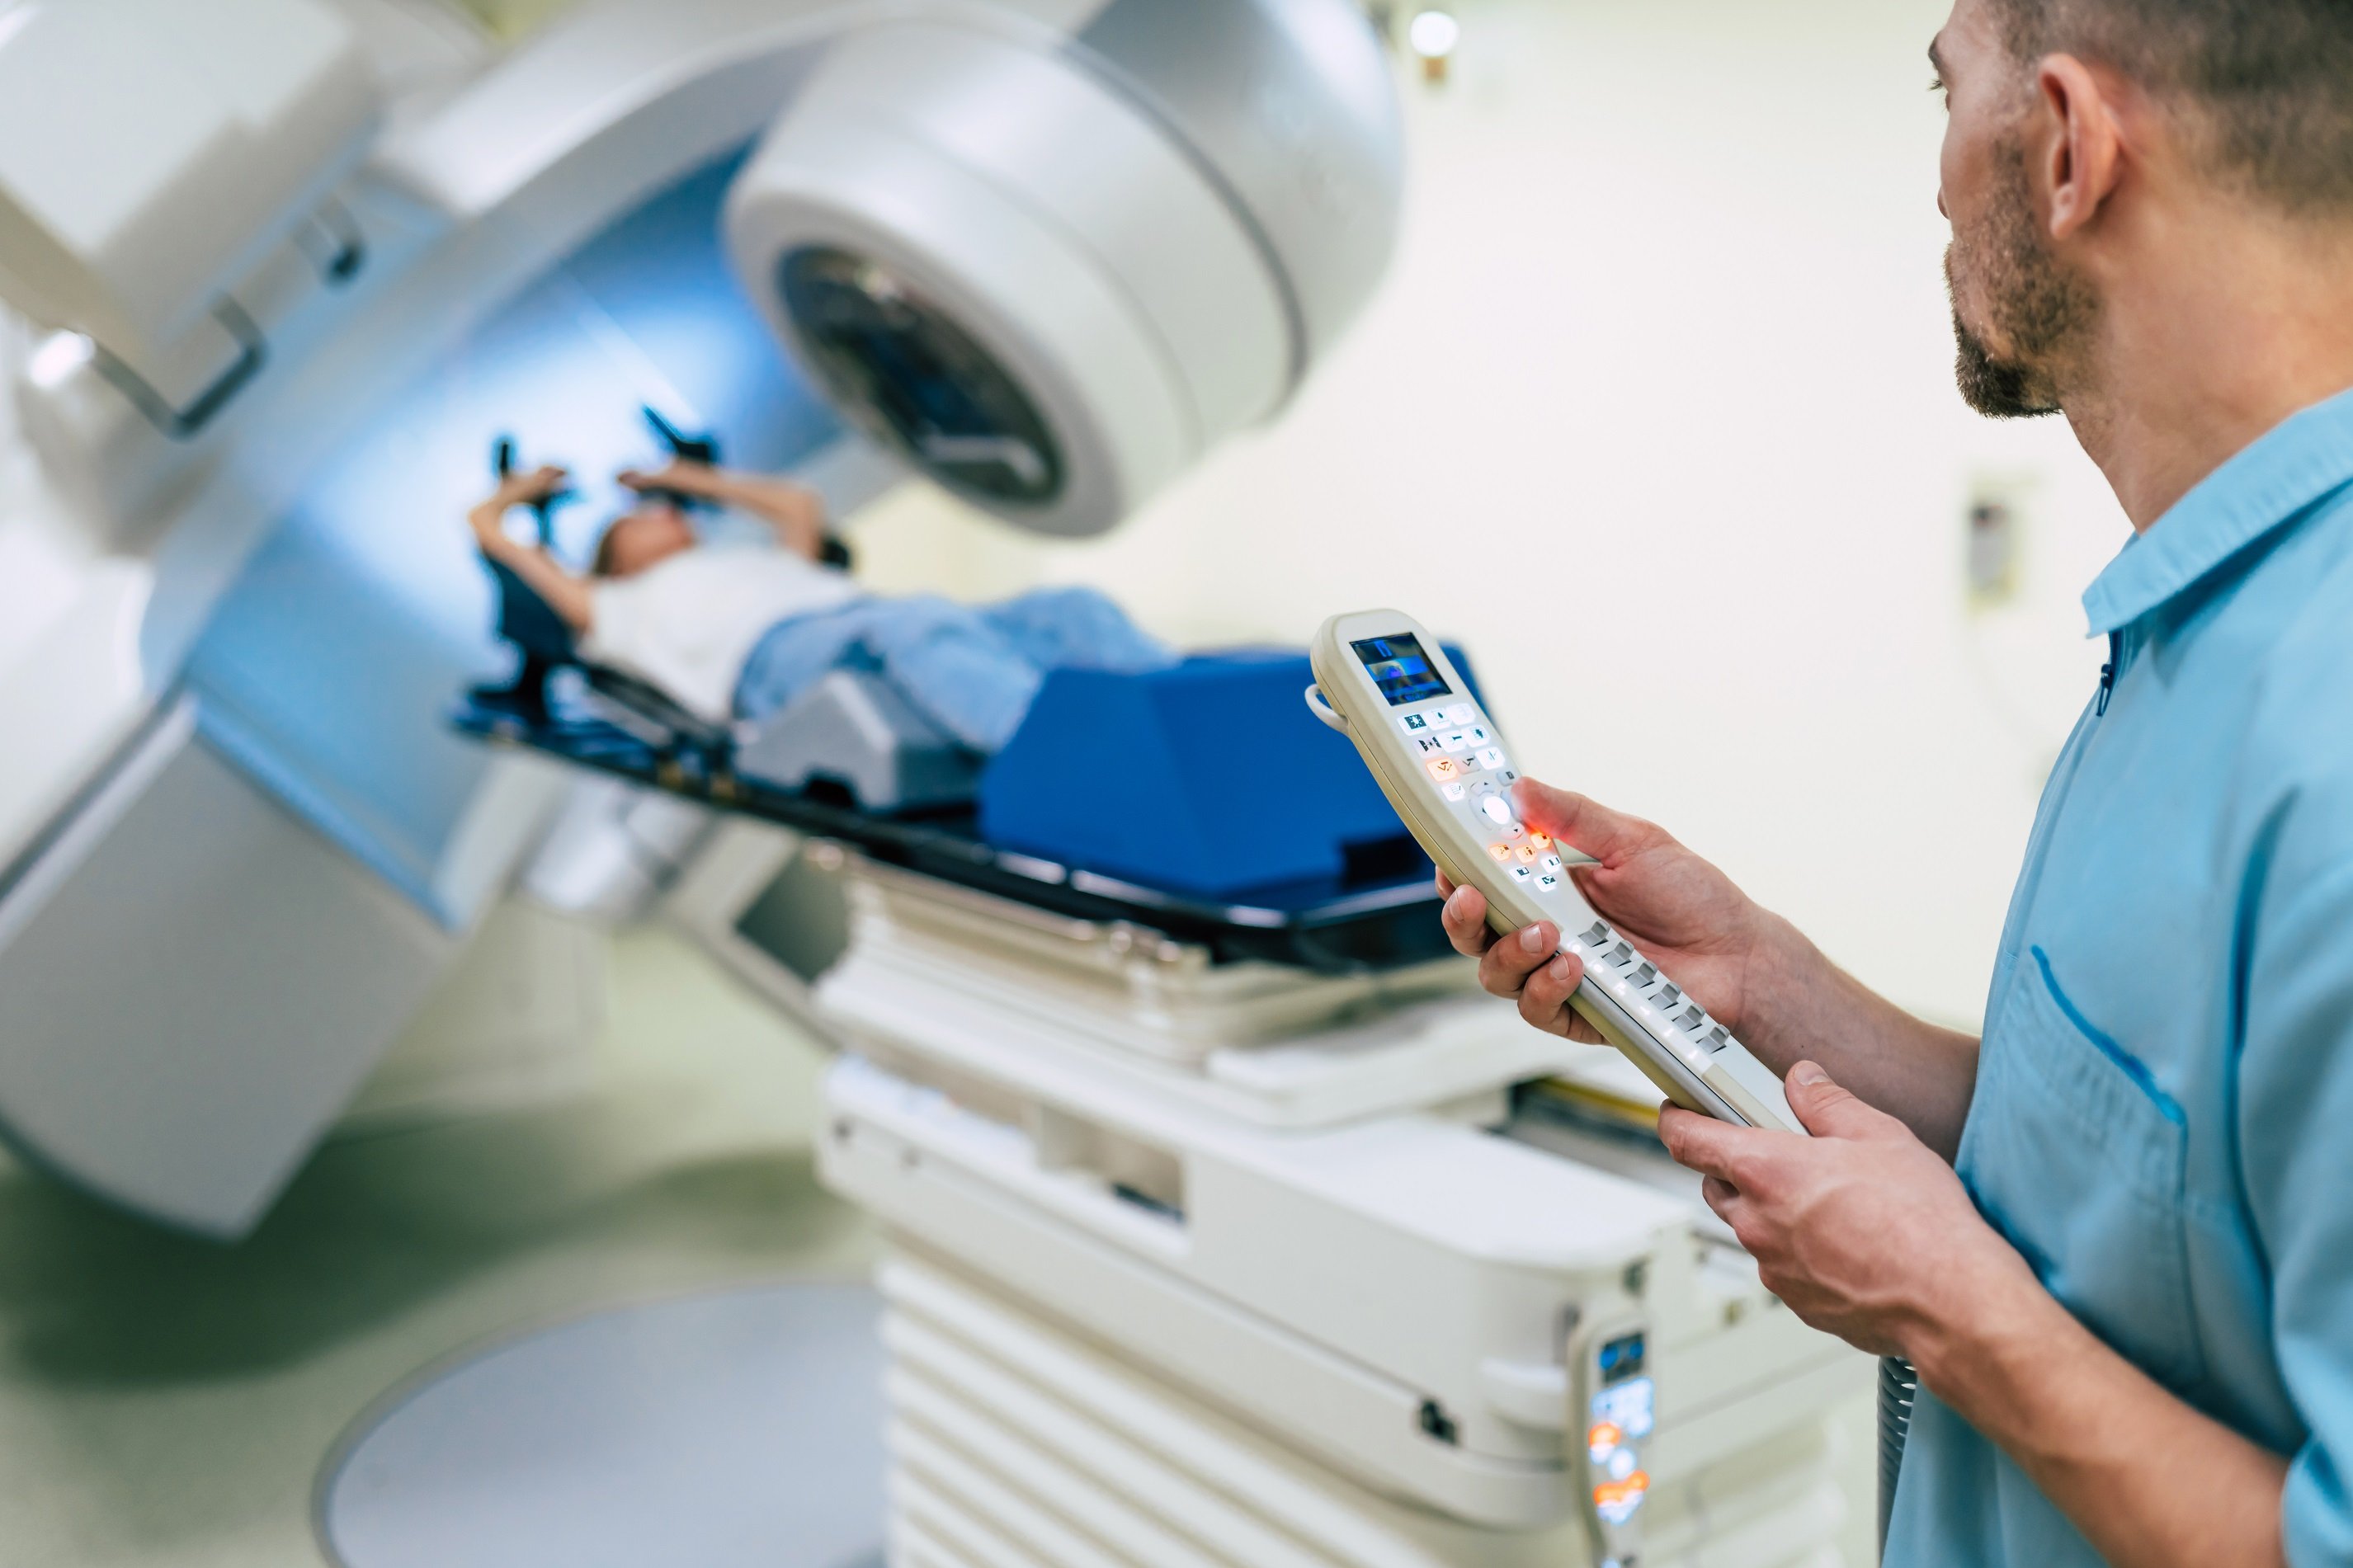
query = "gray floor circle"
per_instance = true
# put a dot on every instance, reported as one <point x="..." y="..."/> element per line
<point x="742" y="1427"/>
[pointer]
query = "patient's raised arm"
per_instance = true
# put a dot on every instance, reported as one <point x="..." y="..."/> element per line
<point x="795" y="512"/>
<point x="565" y="594"/>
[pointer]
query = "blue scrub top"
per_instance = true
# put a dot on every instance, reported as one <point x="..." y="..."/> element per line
<point x="2163" y="1118"/>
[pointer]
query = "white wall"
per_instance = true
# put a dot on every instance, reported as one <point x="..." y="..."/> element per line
<point x="1656" y="415"/>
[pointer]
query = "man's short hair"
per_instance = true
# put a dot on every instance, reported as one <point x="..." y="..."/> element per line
<point x="2268" y="83"/>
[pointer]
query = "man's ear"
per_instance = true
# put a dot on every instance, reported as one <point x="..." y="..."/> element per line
<point x="2077" y="149"/>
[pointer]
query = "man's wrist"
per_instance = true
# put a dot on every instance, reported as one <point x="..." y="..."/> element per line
<point x="1982" y="1335"/>
<point x="1784" y="970"/>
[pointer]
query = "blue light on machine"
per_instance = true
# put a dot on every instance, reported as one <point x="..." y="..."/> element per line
<point x="327" y="668"/>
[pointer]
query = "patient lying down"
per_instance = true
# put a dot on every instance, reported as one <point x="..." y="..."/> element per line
<point x="737" y="631"/>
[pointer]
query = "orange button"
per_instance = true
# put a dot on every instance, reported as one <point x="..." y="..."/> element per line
<point x="1604" y="1436"/>
<point x="1528" y="850"/>
<point x="1444" y="769"/>
<point x="1539" y="840"/>
<point x="1500" y="851"/>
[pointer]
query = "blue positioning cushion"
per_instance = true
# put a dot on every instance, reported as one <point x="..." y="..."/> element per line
<point x="1211" y="777"/>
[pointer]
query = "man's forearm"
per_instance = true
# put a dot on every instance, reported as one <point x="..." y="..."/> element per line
<point x="1809" y="1009"/>
<point x="2148" y="1480"/>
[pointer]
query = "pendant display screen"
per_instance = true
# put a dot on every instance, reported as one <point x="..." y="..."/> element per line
<point x="1401" y="669"/>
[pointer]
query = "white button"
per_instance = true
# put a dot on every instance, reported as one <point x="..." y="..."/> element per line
<point x="1455" y="742"/>
<point x="1493" y="757"/>
<point x="1479" y="735"/>
<point x="1549" y="863"/>
<point x="1414" y="724"/>
<point x="1455" y="791"/>
<point x="1547" y="881"/>
<point x="1496" y="808"/>
<point x="1429" y="743"/>
<point x="1461" y="714"/>
<point x="1521" y="873"/>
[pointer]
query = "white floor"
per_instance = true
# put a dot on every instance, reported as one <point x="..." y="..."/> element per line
<point x="165" y="1400"/>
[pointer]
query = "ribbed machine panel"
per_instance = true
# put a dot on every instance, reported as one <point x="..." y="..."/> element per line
<point x="1016" y="1444"/>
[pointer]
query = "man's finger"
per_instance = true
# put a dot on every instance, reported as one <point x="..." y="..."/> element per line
<point x="1581" y="823"/>
<point x="1829" y="1111"/>
<point x="1505" y="970"/>
<point x="1545" y="998"/>
<point x="1464" y="917"/>
<point x="1711" y="1148"/>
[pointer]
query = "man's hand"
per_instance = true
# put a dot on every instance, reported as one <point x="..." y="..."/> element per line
<point x="1862" y="1230"/>
<point x="1684" y="914"/>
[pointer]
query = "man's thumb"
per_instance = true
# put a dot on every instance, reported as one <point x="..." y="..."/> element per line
<point x="1828" y="1110"/>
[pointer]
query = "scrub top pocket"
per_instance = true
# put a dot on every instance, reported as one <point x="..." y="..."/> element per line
<point x="2075" y="1155"/>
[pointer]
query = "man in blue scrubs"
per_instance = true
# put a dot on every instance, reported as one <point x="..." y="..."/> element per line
<point x="2116" y="1235"/>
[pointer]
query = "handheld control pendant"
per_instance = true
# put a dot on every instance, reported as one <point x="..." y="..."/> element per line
<point x="1383" y="680"/>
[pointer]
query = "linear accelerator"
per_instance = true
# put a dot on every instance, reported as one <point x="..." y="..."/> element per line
<point x="1224" y="1226"/>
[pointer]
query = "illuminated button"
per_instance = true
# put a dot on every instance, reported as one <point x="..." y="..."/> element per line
<point x="1541" y="841"/>
<point x="1622" y="1465"/>
<point x="1444" y="769"/>
<point x="1528" y="852"/>
<point x="1500" y="851"/>
<point x="1455" y="740"/>
<point x="1478" y="736"/>
<point x="1426" y="744"/>
<point x="1497" y="808"/>
<point x="1457" y="791"/>
<point x="1547" y="881"/>
<point x="1493" y="757"/>
<point x="1603" y="1441"/>
<point x="1414" y="724"/>
<point x="1550" y="862"/>
<point x="1523" y="873"/>
<point x="1461" y="714"/>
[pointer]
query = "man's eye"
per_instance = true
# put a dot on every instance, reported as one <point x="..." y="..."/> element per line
<point x="1936" y="84"/>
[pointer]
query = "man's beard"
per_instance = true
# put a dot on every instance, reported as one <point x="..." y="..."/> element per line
<point x="2039" y="309"/>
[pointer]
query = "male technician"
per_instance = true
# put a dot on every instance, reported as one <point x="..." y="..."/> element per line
<point x="2116" y="1235"/>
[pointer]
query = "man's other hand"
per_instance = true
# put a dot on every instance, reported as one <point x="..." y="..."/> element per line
<point x="1862" y="1230"/>
<point x="1686" y="916"/>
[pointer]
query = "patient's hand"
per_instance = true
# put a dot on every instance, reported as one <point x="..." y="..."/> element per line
<point x="794" y="510"/>
<point x="524" y="487"/>
<point x="678" y="475"/>
<point x="520" y="488"/>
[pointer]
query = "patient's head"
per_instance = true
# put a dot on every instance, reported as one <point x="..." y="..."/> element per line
<point x="639" y="539"/>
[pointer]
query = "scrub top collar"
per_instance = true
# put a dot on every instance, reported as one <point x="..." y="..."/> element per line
<point x="2308" y="456"/>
